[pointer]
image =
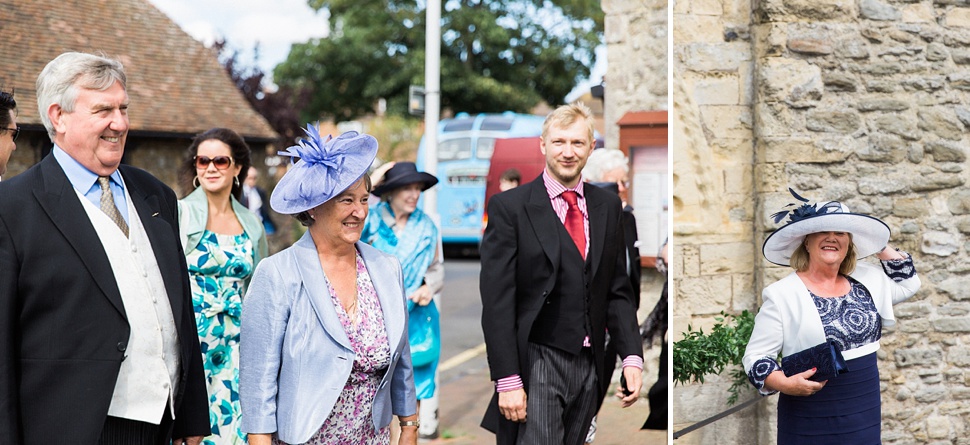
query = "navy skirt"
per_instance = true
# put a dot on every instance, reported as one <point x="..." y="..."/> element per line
<point x="847" y="410"/>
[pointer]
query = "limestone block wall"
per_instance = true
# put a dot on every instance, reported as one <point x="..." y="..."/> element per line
<point x="861" y="101"/>
<point x="636" y="45"/>
<point x="866" y="102"/>
<point x="713" y="196"/>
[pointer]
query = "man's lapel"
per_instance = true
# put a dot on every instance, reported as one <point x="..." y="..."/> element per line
<point x="58" y="199"/>
<point x="545" y="223"/>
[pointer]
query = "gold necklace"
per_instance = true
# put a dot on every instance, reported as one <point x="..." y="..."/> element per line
<point x="352" y="311"/>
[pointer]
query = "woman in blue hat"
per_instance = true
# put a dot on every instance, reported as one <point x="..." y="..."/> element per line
<point x="397" y="226"/>
<point x="325" y="353"/>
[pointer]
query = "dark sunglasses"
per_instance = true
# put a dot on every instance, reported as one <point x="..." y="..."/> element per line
<point x="221" y="162"/>
<point x="16" y="131"/>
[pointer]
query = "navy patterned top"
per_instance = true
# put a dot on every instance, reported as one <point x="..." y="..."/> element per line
<point x="851" y="321"/>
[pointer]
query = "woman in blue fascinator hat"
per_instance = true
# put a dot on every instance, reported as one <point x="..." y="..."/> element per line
<point x="825" y="320"/>
<point x="325" y="355"/>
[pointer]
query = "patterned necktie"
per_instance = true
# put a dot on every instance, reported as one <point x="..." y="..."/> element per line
<point x="574" y="222"/>
<point x="108" y="205"/>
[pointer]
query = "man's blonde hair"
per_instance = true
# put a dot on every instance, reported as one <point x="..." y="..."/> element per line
<point x="566" y="115"/>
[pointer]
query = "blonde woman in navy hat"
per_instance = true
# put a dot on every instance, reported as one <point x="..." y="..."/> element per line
<point x="397" y="226"/>
<point x="325" y="355"/>
<point x="826" y="317"/>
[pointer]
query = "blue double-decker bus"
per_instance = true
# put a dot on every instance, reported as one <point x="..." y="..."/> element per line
<point x="465" y="145"/>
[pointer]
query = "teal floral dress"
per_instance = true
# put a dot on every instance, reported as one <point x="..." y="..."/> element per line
<point x="218" y="268"/>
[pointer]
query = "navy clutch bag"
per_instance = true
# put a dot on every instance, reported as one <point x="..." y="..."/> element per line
<point x="826" y="357"/>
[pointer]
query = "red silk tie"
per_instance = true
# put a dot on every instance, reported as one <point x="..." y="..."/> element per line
<point x="574" y="222"/>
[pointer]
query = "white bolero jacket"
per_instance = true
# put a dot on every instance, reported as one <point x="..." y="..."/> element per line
<point x="788" y="321"/>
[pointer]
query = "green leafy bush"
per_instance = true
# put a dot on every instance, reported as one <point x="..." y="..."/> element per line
<point x="699" y="354"/>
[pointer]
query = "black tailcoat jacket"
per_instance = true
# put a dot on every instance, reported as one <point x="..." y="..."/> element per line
<point x="63" y="329"/>
<point x="521" y="262"/>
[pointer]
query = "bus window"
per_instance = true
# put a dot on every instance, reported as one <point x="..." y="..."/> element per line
<point x="455" y="149"/>
<point x="484" y="148"/>
<point x="463" y="124"/>
<point x="496" y="123"/>
<point x="467" y="177"/>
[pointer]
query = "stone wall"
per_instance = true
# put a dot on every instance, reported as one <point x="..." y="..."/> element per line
<point x="712" y="148"/>
<point x="864" y="102"/>
<point x="636" y="45"/>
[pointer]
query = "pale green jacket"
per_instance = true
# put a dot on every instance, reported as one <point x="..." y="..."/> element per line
<point x="194" y="214"/>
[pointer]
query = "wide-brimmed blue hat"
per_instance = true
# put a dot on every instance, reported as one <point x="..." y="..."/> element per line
<point x="325" y="169"/>
<point x="870" y="235"/>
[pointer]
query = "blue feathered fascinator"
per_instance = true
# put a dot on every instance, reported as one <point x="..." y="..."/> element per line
<point x="325" y="169"/>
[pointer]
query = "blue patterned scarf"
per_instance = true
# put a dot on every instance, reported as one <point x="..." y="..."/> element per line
<point x="414" y="246"/>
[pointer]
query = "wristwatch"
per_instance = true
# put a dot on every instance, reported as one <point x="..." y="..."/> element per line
<point x="413" y="423"/>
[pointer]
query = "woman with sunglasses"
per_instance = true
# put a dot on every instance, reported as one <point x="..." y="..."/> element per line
<point x="222" y="241"/>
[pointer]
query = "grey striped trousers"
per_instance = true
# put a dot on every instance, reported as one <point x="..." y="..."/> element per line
<point x="561" y="400"/>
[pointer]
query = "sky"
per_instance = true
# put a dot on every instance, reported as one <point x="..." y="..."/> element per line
<point x="275" y="25"/>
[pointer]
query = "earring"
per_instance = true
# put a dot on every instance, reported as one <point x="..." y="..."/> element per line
<point x="235" y="180"/>
<point x="196" y="182"/>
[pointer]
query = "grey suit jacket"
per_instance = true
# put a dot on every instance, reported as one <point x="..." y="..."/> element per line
<point x="295" y="356"/>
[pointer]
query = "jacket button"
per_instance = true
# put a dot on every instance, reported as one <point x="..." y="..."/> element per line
<point x="122" y="346"/>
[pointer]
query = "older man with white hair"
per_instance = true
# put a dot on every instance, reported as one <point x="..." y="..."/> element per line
<point x="98" y="341"/>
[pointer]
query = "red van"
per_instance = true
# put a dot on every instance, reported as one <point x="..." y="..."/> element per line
<point x="522" y="154"/>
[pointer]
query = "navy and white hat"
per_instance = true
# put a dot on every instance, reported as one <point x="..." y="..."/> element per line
<point x="325" y="169"/>
<point x="870" y="235"/>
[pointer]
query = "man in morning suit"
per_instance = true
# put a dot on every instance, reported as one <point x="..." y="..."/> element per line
<point x="98" y="343"/>
<point x="553" y="280"/>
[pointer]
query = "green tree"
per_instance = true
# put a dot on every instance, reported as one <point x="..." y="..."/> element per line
<point x="497" y="55"/>
<point x="280" y="108"/>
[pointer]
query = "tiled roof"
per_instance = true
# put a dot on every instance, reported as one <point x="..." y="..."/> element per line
<point x="175" y="83"/>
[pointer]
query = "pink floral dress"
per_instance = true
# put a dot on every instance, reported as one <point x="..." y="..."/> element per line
<point x="351" y="421"/>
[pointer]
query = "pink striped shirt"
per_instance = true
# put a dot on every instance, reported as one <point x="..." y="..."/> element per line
<point x="555" y="189"/>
